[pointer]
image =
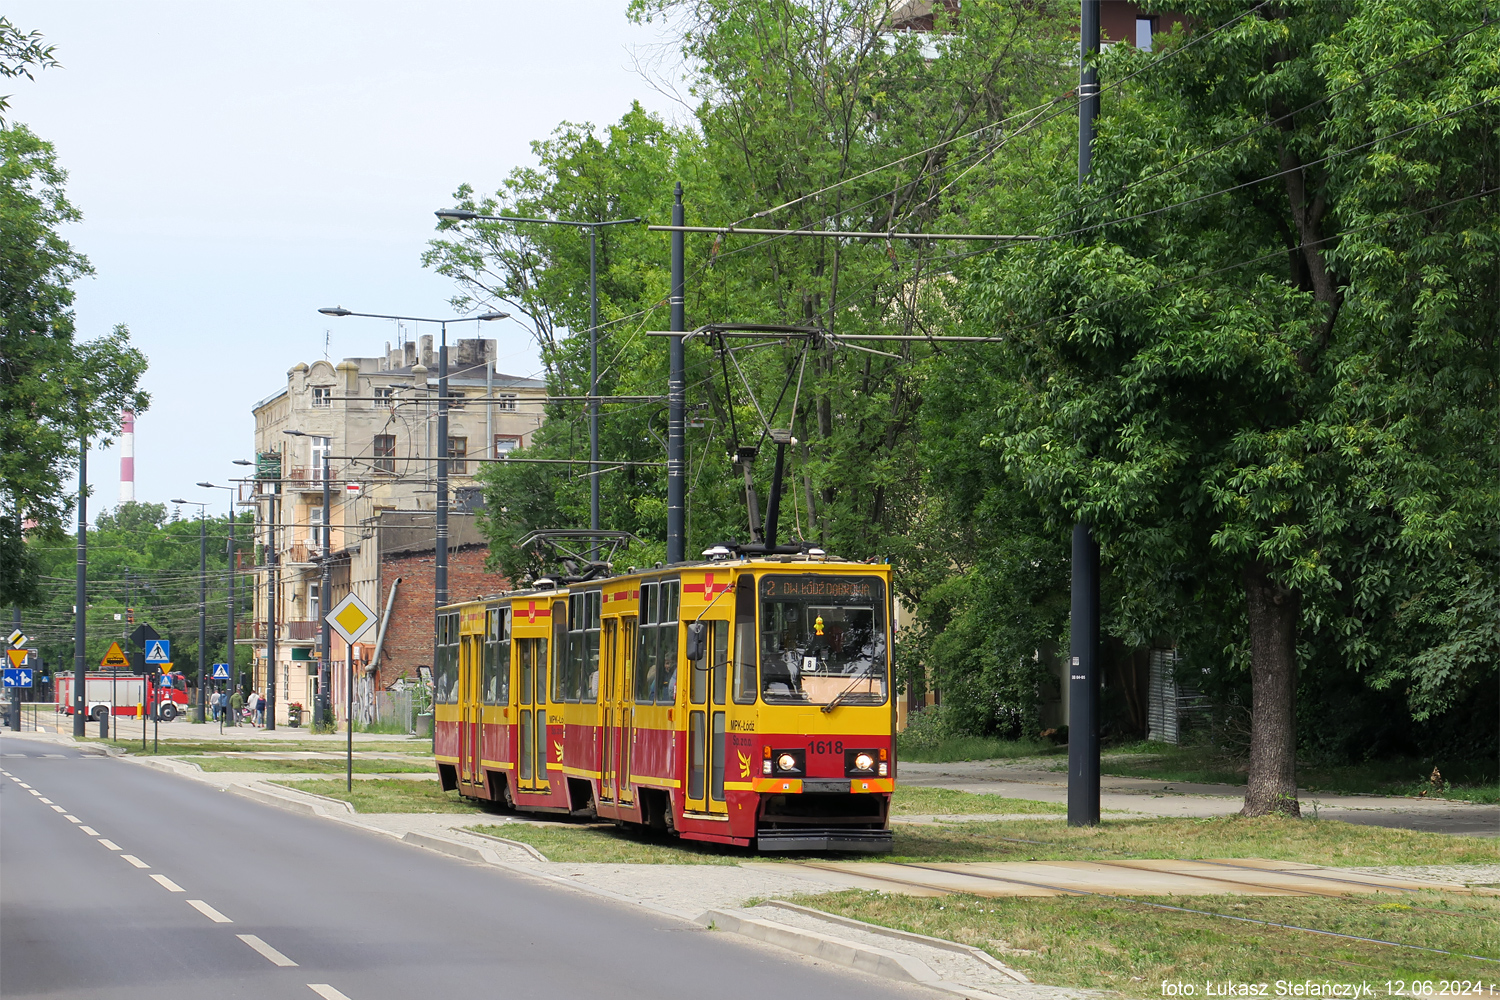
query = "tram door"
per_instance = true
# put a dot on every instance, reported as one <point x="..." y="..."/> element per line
<point x="608" y="665"/>
<point x="622" y="696"/>
<point x="706" y="739"/>
<point x="531" y="714"/>
<point x="470" y="659"/>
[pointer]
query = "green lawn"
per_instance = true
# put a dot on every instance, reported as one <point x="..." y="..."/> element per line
<point x="1473" y="781"/>
<point x="946" y="749"/>
<point x="1321" y="842"/>
<point x="1088" y="942"/>
<point x="390" y="795"/>
<point x="304" y="765"/>
<point x="176" y="748"/>
<point x="915" y="800"/>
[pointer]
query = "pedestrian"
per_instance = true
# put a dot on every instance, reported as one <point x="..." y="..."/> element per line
<point x="213" y="707"/>
<point x="250" y="704"/>
<point x="236" y="702"/>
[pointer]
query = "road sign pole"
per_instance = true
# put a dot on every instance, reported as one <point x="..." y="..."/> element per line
<point x="349" y="723"/>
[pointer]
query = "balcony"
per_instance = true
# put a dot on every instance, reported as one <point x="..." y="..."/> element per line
<point x="292" y="631"/>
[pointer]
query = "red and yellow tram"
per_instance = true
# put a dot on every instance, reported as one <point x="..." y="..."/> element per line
<point x="743" y="701"/>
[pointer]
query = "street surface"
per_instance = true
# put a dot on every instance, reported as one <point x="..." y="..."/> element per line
<point x="122" y="882"/>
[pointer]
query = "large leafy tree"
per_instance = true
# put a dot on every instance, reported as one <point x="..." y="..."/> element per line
<point x="1259" y="354"/>
<point x="53" y="390"/>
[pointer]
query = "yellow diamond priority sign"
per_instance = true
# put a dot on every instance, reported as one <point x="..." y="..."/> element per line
<point x="351" y="618"/>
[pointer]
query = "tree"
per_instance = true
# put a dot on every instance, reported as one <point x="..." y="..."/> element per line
<point x="1259" y="352"/>
<point x="53" y="390"/>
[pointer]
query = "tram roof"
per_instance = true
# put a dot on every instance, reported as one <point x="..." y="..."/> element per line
<point x="738" y="562"/>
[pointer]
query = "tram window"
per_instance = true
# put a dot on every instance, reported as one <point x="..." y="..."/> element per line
<point x="716" y="778"/>
<point x="645" y="665"/>
<point x="582" y="680"/>
<point x="823" y="639"/>
<point x="542" y="746"/>
<point x="559" y="653"/>
<point x="718" y="652"/>
<point x="497" y="656"/>
<point x="667" y="642"/>
<point x="532" y="669"/>
<point x="590" y="686"/>
<point x="744" y="642"/>
<point x="445" y="669"/>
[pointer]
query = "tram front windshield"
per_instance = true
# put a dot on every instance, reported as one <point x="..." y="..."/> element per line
<point x="822" y="640"/>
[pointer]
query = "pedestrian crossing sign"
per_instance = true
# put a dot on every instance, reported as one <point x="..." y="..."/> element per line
<point x="159" y="651"/>
<point x="221" y="672"/>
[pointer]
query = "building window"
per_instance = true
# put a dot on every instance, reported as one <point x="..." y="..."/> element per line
<point x="321" y="448"/>
<point x="458" y="452"/>
<point x="314" y="602"/>
<point x="506" y="401"/>
<point x="1145" y="27"/>
<point x="315" y="526"/>
<point x="385" y="452"/>
<point x="322" y="396"/>
<point x="455" y="400"/>
<point x="385" y="396"/>
<point x="506" y="443"/>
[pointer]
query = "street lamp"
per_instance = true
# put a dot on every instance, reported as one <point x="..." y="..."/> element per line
<point x="229" y="640"/>
<point x="202" y="603"/>
<point x="440" y="556"/>
<point x="463" y="215"/>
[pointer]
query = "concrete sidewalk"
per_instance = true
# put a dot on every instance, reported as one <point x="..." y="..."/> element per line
<point x="1031" y="779"/>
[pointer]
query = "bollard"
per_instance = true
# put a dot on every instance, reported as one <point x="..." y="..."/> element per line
<point x="104" y="727"/>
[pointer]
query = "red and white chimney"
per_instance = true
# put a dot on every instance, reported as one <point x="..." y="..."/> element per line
<point x="127" y="457"/>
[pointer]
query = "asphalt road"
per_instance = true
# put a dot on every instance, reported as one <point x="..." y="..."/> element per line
<point x="121" y="882"/>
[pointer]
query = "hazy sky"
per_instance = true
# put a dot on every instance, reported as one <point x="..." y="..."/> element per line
<point x="239" y="165"/>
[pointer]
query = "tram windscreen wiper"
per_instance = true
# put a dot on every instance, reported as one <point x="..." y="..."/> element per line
<point x="839" y="698"/>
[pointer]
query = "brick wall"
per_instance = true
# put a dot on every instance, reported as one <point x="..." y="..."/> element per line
<point x="408" y="638"/>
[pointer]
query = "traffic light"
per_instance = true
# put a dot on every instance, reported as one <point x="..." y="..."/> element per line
<point x="130" y="615"/>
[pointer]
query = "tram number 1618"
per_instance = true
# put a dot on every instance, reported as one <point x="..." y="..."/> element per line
<point x="826" y="746"/>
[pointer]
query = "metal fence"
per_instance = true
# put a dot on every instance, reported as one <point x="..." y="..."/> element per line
<point x="395" y="709"/>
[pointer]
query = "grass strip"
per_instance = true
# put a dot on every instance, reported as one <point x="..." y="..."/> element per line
<point x="948" y="749"/>
<point x="1320" y="842"/>
<point x="915" y="800"/>
<point x="390" y="795"/>
<point x="304" y="765"/>
<point x="176" y="748"/>
<point x="1090" y="942"/>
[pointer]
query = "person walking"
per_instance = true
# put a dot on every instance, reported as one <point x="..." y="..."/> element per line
<point x="213" y="707"/>
<point x="236" y="703"/>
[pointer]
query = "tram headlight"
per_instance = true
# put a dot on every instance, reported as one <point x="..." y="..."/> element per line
<point x="864" y="762"/>
<point x="790" y="762"/>
<point x="786" y="762"/>
<point x="859" y="763"/>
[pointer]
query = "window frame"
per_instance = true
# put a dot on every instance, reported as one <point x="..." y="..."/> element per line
<point x="385" y="457"/>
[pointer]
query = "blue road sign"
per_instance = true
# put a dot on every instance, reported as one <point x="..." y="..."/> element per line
<point x="221" y="672"/>
<point x="17" y="677"/>
<point x="159" y="651"/>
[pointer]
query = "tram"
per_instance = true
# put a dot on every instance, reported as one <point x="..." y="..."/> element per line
<point x="744" y="699"/>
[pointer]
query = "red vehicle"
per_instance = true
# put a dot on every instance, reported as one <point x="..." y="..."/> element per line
<point x="126" y="694"/>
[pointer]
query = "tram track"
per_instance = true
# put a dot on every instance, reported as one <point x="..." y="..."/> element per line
<point x="1075" y="891"/>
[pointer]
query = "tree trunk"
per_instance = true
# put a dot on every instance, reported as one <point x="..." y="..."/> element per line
<point x="1274" y="612"/>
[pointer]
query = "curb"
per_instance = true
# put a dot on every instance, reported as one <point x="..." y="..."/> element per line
<point x="452" y="848"/>
<point x="318" y="806"/>
<point x="865" y="958"/>
<point x="963" y="949"/>
<point x="535" y="854"/>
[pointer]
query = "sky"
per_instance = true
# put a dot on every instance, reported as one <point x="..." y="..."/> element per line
<point x="241" y="164"/>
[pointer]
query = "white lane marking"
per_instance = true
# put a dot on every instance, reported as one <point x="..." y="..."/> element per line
<point x="109" y="844"/>
<point x="46" y="801"/>
<point x="276" y="957"/>
<point x="167" y="883"/>
<point x="89" y="830"/>
<point x="56" y="809"/>
<point x="326" y="992"/>
<point x="59" y="756"/>
<point x="33" y="791"/>
<point x="72" y="819"/>
<point x="135" y="860"/>
<point x="209" y="911"/>
<point x="24" y="785"/>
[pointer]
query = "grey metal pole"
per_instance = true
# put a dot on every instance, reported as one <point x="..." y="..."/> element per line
<point x="81" y="596"/>
<point x="440" y="575"/>
<point x="325" y="586"/>
<point x="349" y="720"/>
<point x="1083" y="662"/>
<point x="271" y="588"/>
<point x="676" y="391"/>
<point x="593" y="390"/>
<point x="229" y="640"/>
<point x="202" y="614"/>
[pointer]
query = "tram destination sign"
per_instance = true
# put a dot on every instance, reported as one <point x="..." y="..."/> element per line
<point x="825" y="588"/>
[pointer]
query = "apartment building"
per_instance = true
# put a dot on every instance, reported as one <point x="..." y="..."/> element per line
<point x="372" y="423"/>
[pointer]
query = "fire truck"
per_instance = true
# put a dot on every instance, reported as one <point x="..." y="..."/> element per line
<point x="108" y="693"/>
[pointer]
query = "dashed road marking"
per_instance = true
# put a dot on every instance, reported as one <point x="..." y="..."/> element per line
<point x="59" y="756"/>
<point x="33" y="791"/>
<point x="275" y="957"/>
<point x="56" y="809"/>
<point x="326" y="992"/>
<point x="71" y="819"/>
<point x="209" y="911"/>
<point x="109" y="844"/>
<point x="46" y="801"/>
<point x="135" y="860"/>
<point x="89" y="830"/>
<point x="24" y="785"/>
<point x="167" y="883"/>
